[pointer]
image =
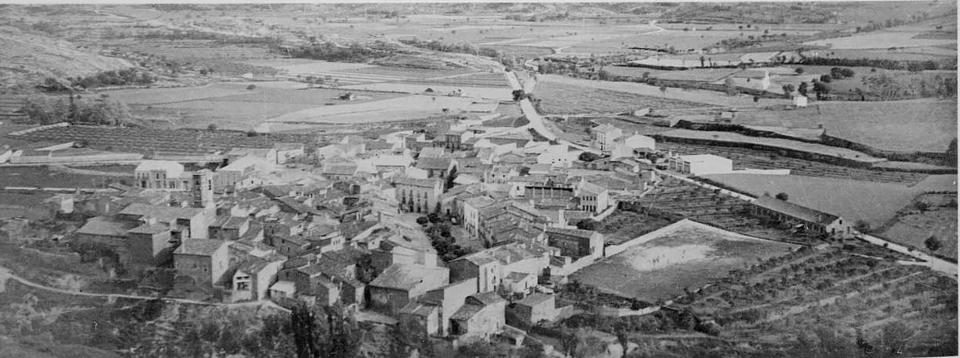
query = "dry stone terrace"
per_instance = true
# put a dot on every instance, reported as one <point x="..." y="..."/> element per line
<point x="744" y="158"/>
<point x="150" y="140"/>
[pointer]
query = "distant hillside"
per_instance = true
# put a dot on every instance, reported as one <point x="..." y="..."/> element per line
<point x="28" y="58"/>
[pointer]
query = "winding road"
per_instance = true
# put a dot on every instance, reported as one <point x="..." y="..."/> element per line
<point x="536" y="120"/>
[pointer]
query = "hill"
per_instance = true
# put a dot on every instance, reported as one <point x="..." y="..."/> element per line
<point x="27" y="58"/>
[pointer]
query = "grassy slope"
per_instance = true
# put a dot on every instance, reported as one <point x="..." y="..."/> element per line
<point x="872" y="202"/>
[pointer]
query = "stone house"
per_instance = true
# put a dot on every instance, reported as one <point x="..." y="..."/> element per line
<point x="481" y="316"/>
<point x="204" y="260"/>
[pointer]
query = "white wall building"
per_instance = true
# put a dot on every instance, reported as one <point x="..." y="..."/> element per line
<point x="701" y="164"/>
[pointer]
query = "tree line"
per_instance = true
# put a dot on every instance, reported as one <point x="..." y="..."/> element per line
<point x="354" y="52"/>
<point x="127" y="76"/>
<point x="77" y="110"/>
<point x="466" y="48"/>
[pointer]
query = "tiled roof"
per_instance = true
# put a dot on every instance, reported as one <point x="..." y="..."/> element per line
<point x="405" y="277"/>
<point x="150" y="229"/>
<point x="571" y="232"/>
<point x="434" y="163"/>
<point x="793" y="210"/>
<point x="423" y="183"/>
<point x="162" y="213"/>
<point x="104" y="226"/>
<point x="535" y="299"/>
<point x="201" y="247"/>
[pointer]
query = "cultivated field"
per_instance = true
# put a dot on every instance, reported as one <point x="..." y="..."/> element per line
<point x="931" y="126"/>
<point x="776" y="143"/>
<point x="874" y="203"/>
<point x="686" y="258"/>
<point x="622" y="226"/>
<point x="880" y="40"/>
<point x="746" y="158"/>
<point x="560" y="98"/>
<point x="913" y="227"/>
<point x="394" y="109"/>
<point x="697" y="96"/>
<point x="488" y="93"/>
<point x="232" y="105"/>
<point x="782" y="299"/>
<point x="149" y="140"/>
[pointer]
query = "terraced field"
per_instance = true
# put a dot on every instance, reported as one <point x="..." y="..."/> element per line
<point x="744" y="158"/>
<point x="148" y="141"/>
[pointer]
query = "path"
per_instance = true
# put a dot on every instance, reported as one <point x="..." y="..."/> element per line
<point x="933" y="262"/>
<point x="6" y="275"/>
<point x="536" y="120"/>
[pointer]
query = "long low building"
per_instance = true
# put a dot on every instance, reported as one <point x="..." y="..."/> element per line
<point x="812" y="220"/>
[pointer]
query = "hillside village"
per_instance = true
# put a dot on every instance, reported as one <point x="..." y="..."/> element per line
<point x="426" y="201"/>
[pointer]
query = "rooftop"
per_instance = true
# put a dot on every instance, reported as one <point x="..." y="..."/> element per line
<point x="200" y="247"/>
<point x="423" y="183"/>
<point x="170" y="167"/>
<point x="162" y="213"/>
<point x="405" y="277"/>
<point x="104" y="226"/>
<point x="794" y="210"/>
<point x="535" y="299"/>
<point x="434" y="163"/>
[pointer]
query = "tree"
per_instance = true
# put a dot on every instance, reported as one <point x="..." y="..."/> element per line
<point x="518" y="94"/>
<point x="663" y="88"/>
<point x="861" y="226"/>
<point x="798" y="70"/>
<point x="932" y="243"/>
<point x="251" y="87"/>
<point x="423" y="220"/>
<point x="588" y="224"/>
<point x="730" y="86"/>
<point x="802" y="89"/>
<point x="788" y="90"/>
<point x="825" y="78"/>
<point x="782" y="196"/>
<point x="212" y="127"/>
<point x="588" y="157"/>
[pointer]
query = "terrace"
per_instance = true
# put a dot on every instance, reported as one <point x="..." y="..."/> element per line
<point x="149" y="141"/>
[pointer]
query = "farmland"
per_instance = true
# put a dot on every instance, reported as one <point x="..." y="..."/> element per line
<point x="745" y="158"/>
<point x="558" y="98"/>
<point x="232" y="105"/>
<point x="876" y="124"/>
<point x="770" y="143"/>
<point x="690" y="256"/>
<point x="394" y="109"/>
<point x="34" y="176"/>
<point x="783" y="299"/>
<point x="148" y="141"/>
<point x="622" y="226"/>
<point x="697" y="96"/>
<point x="938" y="219"/>
<point x="874" y="203"/>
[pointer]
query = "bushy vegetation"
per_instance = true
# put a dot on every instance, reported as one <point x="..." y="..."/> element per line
<point x="354" y="52"/>
<point x="878" y="63"/>
<point x="466" y="48"/>
<point x="79" y="110"/>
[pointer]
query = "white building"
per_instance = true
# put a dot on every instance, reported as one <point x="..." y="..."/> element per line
<point x="558" y="156"/>
<point x="799" y="101"/>
<point x="604" y="136"/>
<point x="161" y="174"/>
<point x="637" y="143"/>
<point x="701" y="164"/>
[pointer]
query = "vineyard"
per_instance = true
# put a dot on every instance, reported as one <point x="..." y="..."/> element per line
<point x="778" y="299"/>
<point x="675" y="199"/>
<point x="147" y="140"/>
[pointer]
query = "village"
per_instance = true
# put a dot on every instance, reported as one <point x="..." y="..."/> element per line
<point x="405" y="198"/>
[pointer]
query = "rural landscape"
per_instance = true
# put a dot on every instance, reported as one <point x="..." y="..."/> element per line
<point x="569" y="180"/>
